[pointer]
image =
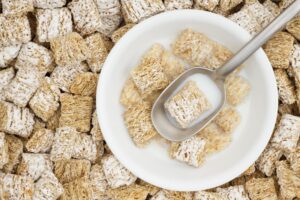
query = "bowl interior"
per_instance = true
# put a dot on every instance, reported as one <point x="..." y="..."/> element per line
<point x="152" y="163"/>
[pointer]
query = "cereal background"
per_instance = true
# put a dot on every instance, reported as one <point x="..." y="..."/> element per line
<point x="51" y="146"/>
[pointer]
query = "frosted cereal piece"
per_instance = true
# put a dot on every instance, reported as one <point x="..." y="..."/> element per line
<point x="47" y="187"/>
<point x="191" y="151"/>
<point x="149" y="75"/>
<point x="16" y="187"/>
<point x="98" y="182"/>
<point x="293" y="27"/>
<point x="110" y="15"/>
<point x="41" y="141"/>
<point x="130" y="94"/>
<point x="168" y="195"/>
<point x="178" y="4"/>
<point x="249" y="171"/>
<point x="15" y="7"/>
<point x="6" y="75"/>
<point x="15" y="149"/>
<point x="215" y="138"/>
<point x="286" y="88"/>
<point x="288" y="181"/>
<point x="138" y="121"/>
<point x="70" y="49"/>
<point x="272" y="7"/>
<point x="87" y="148"/>
<point x="246" y="20"/>
<point x="70" y="170"/>
<point x="261" y="188"/>
<point x="99" y="51"/>
<point x="172" y="65"/>
<point x="266" y="161"/>
<point x="76" y="111"/>
<point x="187" y="104"/>
<point x="52" y="23"/>
<point x="16" y="120"/>
<point x="49" y="4"/>
<point x="96" y="131"/>
<point x="85" y="15"/>
<point x="84" y="84"/>
<point x="237" y="88"/>
<point x="119" y="33"/>
<point x="133" y="191"/>
<point x="294" y="159"/>
<point x="279" y="49"/>
<point x="204" y="195"/>
<point x="295" y="58"/>
<point x="137" y="10"/>
<point x="64" y="144"/>
<point x="34" y="165"/>
<point x="23" y="86"/>
<point x="287" y="133"/>
<point x="228" y="5"/>
<point x="53" y="122"/>
<point x="262" y="14"/>
<point x="8" y="54"/>
<point x="219" y="56"/>
<point x="45" y="101"/>
<point x="228" y="119"/>
<point x="233" y="193"/>
<point x="63" y="76"/>
<point x="116" y="174"/>
<point x="14" y="30"/>
<point x="193" y="47"/>
<point x="4" y="156"/>
<point x="208" y="5"/>
<point x="77" y="189"/>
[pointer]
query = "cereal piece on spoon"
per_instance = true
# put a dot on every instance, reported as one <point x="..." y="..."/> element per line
<point x="191" y="151"/>
<point x="178" y="4"/>
<point x="261" y="188"/>
<point x="52" y="23"/>
<point x="228" y="119"/>
<point x="116" y="174"/>
<point x="187" y="105"/>
<point x="237" y="88"/>
<point x="138" y="121"/>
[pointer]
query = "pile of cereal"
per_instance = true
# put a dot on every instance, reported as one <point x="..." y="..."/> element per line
<point x="51" y="54"/>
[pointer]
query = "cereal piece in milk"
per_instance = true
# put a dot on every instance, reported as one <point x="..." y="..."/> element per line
<point x="228" y="119"/>
<point x="237" y="89"/>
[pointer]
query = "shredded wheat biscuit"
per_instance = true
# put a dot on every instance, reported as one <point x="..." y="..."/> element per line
<point x="98" y="182"/>
<point x="52" y="23"/>
<point x="191" y="151"/>
<point x="205" y="195"/>
<point x="261" y="189"/>
<point x="237" y="88"/>
<point x="134" y="191"/>
<point x="6" y="76"/>
<point x="285" y="86"/>
<point x="137" y="10"/>
<point x="187" y="104"/>
<point x="288" y="181"/>
<point x="295" y="59"/>
<point x="14" y="7"/>
<point x="41" y="141"/>
<point x="8" y="54"/>
<point x="70" y="49"/>
<point x="228" y="119"/>
<point x="130" y="94"/>
<point x="4" y="156"/>
<point x="284" y="4"/>
<point x="152" y="190"/>
<point x="77" y="189"/>
<point x="47" y="187"/>
<point x="84" y="84"/>
<point x="14" y="30"/>
<point x="76" y="111"/>
<point x="14" y="187"/>
<point x="287" y="134"/>
<point x="68" y="170"/>
<point x="233" y="193"/>
<point x="279" y="49"/>
<point x="249" y="171"/>
<point x="116" y="174"/>
<point x="63" y="76"/>
<point x="293" y="27"/>
<point x="16" y="120"/>
<point x="262" y="14"/>
<point x="118" y="34"/>
<point x="34" y="165"/>
<point x="178" y="4"/>
<point x="266" y="161"/>
<point x="49" y="4"/>
<point x="172" y="195"/>
<point x="272" y="7"/>
<point x="172" y="65"/>
<point x="227" y="5"/>
<point x="96" y="131"/>
<point x="294" y="159"/>
<point x="208" y="5"/>
<point x="53" y="122"/>
<point x="99" y="51"/>
<point x="138" y="121"/>
<point x="15" y="149"/>
<point x="87" y="148"/>
<point x="85" y="15"/>
<point x="45" y="101"/>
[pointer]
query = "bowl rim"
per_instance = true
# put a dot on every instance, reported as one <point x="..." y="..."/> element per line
<point x="237" y="169"/>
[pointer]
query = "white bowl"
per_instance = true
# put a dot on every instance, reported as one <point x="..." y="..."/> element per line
<point x="152" y="163"/>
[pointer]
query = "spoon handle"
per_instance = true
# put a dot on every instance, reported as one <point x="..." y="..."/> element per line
<point x="259" y="39"/>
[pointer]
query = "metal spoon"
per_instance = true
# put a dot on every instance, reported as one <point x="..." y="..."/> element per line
<point x="160" y="120"/>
